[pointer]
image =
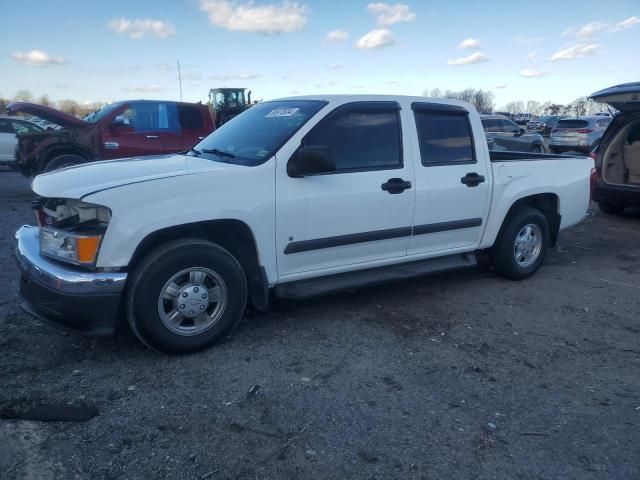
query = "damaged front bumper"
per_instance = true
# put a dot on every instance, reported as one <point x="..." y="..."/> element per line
<point x="84" y="301"/>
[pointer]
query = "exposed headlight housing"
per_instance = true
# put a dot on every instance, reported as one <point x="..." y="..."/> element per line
<point x="70" y="247"/>
<point x="71" y="230"/>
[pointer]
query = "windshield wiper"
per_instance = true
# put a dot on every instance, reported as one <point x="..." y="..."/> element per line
<point x="219" y="153"/>
<point x="195" y="150"/>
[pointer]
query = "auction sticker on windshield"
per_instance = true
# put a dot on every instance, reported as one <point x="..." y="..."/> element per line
<point x="282" y="112"/>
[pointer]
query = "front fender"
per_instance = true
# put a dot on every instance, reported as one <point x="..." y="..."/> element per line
<point x="246" y="194"/>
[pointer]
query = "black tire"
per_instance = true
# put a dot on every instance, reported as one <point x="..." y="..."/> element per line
<point x="150" y="276"/>
<point x="537" y="148"/>
<point x="61" y="161"/>
<point x="610" y="209"/>
<point x="502" y="253"/>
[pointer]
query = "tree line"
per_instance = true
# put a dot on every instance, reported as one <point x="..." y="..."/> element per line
<point x="484" y="101"/>
<point x="68" y="106"/>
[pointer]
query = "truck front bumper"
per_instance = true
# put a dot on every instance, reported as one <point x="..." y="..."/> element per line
<point x="83" y="301"/>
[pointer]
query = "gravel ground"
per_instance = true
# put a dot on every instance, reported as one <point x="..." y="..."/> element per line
<point x="463" y="375"/>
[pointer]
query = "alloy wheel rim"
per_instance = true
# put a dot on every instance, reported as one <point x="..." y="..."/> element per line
<point x="192" y="301"/>
<point x="527" y="245"/>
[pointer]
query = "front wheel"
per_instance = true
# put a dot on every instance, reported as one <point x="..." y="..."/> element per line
<point x="521" y="245"/>
<point x="537" y="148"/>
<point x="62" y="161"/>
<point x="186" y="296"/>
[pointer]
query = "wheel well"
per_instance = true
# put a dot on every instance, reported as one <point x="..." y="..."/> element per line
<point x="547" y="203"/>
<point x="60" y="150"/>
<point x="233" y="235"/>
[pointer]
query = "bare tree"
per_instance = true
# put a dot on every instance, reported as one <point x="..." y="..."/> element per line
<point x="555" y="109"/>
<point x="514" y="107"/>
<point x="45" y="101"/>
<point x="23" y="96"/>
<point x="69" y="106"/>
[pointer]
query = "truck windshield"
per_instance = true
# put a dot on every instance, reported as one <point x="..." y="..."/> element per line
<point x="255" y="135"/>
<point x="103" y="112"/>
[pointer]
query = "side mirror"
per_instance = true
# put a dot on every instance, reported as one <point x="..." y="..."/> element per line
<point x="521" y="131"/>
<point x="311" y="161"/>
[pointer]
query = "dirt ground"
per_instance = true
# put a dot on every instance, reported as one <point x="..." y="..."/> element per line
<point x="463" y="375"/>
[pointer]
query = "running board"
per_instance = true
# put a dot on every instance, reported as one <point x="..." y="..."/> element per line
<point x="375" y="276"/>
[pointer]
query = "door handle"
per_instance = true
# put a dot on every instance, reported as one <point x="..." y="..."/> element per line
<point x="153" y="137"/>
<point x="395" y="185"/>
<point x="472" y="179"/>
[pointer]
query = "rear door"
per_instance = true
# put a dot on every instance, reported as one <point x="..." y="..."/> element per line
<point x="353" y="215"/>
<point x="452" y="180"/>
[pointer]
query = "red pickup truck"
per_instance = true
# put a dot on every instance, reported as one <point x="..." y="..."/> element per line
<point x="118" y="130"/>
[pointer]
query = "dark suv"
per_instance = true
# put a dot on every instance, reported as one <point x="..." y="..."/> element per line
<point x="617" y="183"/>
<point x="122" y="129"/>
<point x="503" y="134"/>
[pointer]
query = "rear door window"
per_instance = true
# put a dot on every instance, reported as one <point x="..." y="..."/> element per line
<point x="445" y="137"/>
<point x="5" y="126"/>
<point x="190" y="117"/>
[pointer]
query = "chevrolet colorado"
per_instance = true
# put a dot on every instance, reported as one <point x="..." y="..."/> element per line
<point x="292" y="198"/>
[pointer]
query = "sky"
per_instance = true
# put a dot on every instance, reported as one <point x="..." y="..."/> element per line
<point x="539" y="50"/>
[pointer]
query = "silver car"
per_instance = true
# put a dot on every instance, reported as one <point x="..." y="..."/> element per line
<point x="10" y="127"/>
<point x="578" y="134"/>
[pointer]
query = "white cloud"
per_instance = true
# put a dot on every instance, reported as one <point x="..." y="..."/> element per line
<point x="140" y="28"/>
<point x="390" y="14"/>
<point x="532" y="55"/>
<point x="577" y="51"/>
<point x="335" y="66"/>
<point x="626" y="24"/>
<point x="522" y="40"/>
<point x="501" y="87"/>
<point x="243" y="75"/>
<point x="380" y="37"/>
<point x="594" y="28"/>
<point x="477" y="57"/>
<point x="470" y="43"/>
<point x="37" y="58"/>
<point x="336" y="36"/>
<point x="246" y="16"/>
<point x="144" y="88"/>
<point x="532" y="72"/>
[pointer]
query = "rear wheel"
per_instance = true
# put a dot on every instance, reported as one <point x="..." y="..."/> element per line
<point x="521" y="245"/>
<point x="610" y="209"/>
<point x="185" y="296"/>
<point x="62" y="161"/>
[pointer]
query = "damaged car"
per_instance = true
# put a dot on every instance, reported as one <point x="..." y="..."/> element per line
<point x="118" y="130"/>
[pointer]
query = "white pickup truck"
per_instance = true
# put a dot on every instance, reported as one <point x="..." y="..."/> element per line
<point x="292" y="198"/>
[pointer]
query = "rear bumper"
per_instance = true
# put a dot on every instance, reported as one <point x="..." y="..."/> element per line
<point x="617" y="195"/>
<point x="87" y="302"/>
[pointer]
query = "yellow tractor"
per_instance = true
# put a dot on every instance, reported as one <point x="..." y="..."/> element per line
<point x="226" y="103"/>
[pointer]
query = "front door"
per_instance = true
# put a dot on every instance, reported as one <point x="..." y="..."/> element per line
<point x="452" y="180"/>
<point x="143" y="128"/>
<point x="358" y="214"/>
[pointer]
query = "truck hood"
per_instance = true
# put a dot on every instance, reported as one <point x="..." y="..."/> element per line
<point x="46" y="113"/>
<point x="82" y="180"/>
